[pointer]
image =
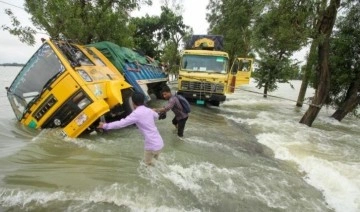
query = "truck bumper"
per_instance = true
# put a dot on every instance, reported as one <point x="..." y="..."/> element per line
<point x="202" y="96"/>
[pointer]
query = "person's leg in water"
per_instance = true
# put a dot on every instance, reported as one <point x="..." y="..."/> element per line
<point x="175" y="122"/>
<point x="149" y="155"/>
<point x="181" y="126"/>
<point x="148" y="158"/>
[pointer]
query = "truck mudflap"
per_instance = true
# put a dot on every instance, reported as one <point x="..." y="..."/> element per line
<point x="194" y="96"/>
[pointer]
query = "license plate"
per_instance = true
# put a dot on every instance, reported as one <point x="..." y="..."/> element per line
<point x="200" y="102"/>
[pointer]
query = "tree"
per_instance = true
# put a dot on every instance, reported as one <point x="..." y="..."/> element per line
<point x="153" y="34"/>
<point x="145" y="38"/>
<point x="279" y="31"/>
<point x="309" y="70"/>
<point x="324" y="28"/>
<point x="344" y="92"/>
<point x="25" y="34"/>
<point x="171" y="37"/>
<point x="233" y="20"/>
<point x="84" y="21"/>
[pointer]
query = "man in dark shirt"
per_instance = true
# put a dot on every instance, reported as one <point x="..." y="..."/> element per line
<point x="174" y="104"/>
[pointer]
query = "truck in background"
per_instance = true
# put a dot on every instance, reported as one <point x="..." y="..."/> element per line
<point x="205" y="74"/>
<point x="69" y="86"/>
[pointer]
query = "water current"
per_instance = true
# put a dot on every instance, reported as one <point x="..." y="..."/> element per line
<point x="249" y="154"/>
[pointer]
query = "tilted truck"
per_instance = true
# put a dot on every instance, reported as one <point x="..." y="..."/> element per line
<point x="69" y="86"/>
<point x="142" y="72"/>
<point x="205" y="75"/>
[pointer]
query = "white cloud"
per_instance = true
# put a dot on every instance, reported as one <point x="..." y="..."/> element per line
<point x="195" y="15"/>
<point x="12" y="50"/>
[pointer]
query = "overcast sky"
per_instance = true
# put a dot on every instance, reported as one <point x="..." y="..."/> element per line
<point x="12" y="50"/>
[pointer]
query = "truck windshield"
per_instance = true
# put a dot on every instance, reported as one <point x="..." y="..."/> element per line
<point x="42" y="68"/>
<point x="205" y="63"/>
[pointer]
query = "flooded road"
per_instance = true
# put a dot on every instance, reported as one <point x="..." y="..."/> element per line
<point x="249" y="154"/>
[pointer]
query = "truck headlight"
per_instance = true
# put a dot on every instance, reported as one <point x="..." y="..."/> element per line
<point x="81" y="100"/>
<point x="83" y="103"/>
<point x="84" y="75"/>
<point x="81" y="119"/>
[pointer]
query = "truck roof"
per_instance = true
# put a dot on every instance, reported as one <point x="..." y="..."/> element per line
<point x="209" y="42"/>
<point x="205" y="52"/>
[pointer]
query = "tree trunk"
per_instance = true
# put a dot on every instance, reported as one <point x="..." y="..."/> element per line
<point x="265" y="90"/>
<point x="352" y="100"/>
<point x="307" y="73"/>
<point x="324" y="29"/>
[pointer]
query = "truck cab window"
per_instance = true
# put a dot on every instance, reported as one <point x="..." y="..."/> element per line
<point x="43" y="66"/>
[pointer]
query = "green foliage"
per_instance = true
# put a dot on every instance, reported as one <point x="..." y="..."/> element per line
<point x="171" y="55"/>
<point x="345" y="56"/>
<point x="84" y="21"/>
<point x="145" y="34"/>
<point x="25" y="34"/>
<point x="279" y="31"/>
<point x="274" y="70"/>
<point x="160" y="36"/>
<point x="233" y="19"/>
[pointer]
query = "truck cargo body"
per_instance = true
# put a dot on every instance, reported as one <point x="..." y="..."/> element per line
<point x="142" y="72"/>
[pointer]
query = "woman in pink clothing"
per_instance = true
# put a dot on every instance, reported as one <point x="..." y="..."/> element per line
<point x="144" y="118"/>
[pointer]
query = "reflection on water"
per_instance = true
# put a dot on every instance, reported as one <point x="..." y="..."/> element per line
<point x="250" y="154"/>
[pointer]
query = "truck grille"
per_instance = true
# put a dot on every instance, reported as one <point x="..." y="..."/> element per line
<point x="67" y="112"/>
<point x="45" y="107"/>
<point x="202" y="86"/>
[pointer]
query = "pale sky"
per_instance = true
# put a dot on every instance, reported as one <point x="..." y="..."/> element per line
<point x="12" y="50"/>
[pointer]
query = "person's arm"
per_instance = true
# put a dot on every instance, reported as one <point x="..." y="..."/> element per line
<point x="156" y="115"/>
<point x="167" y="107"/>
<point x="129" y="120"/>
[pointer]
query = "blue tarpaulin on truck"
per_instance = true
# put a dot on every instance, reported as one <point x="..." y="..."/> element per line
<point x="136" y="67"/>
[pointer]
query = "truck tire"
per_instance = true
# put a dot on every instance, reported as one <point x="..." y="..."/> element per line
<point x="215" y="103"/>
<point x="128" y="105"/>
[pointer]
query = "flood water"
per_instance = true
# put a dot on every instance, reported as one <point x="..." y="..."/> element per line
<point x="249" y="154"/>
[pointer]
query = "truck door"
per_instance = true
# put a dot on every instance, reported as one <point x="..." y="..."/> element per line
<point x="240" y="72"/>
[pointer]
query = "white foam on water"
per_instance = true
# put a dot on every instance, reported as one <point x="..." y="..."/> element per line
<point x="80" y="142"/>
<point x="195" y="176"/>
<point x="23" y="198"/>
<point x="213" y="144"/>
<point x="338" y="180"/>
<point x="264" y="121"/>
<point x="116" y="194"/>
<point x="206" y="181"/>
<point x="330" y="164"/>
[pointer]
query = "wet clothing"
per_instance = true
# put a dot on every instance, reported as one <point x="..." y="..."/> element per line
<point x="180" y="124"/>
<point x="175" y="105"/>
<point x="149" y="155"/>
<point x="144" y="118"/>
<point x="180" y="116"/>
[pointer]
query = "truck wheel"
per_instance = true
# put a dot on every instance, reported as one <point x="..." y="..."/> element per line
<point x="215" y="103"/>
<point x="128" y="105"/>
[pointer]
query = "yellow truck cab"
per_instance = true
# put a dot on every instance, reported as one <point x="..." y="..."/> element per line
<point x="205" y="74"/>
<point x="68" y="86"/>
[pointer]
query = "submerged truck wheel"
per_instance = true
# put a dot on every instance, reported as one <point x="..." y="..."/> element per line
<point x="215" y="103"/>
<point x="128" y="105"/>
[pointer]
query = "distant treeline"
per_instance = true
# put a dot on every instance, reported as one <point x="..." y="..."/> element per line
<point x="11" y="64"/>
